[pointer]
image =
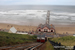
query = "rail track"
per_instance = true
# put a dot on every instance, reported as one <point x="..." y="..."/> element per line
<point x="33" y="47"/>
<point x="28" y="46"/>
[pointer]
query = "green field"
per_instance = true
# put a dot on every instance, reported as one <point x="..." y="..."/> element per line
<point x="49" y="46"/>
<point x="67" y="40"/>
<point x="12" y="39"/>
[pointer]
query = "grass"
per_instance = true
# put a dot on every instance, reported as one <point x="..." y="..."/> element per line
<point x="67" y="40"/>
<point x="49" y="46"/>
<point x="13" y="39"/>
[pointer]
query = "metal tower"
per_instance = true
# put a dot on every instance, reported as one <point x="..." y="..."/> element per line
<point x="47" y="19"/>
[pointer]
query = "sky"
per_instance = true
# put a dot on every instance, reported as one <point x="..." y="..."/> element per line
<point x="37" y="2"/>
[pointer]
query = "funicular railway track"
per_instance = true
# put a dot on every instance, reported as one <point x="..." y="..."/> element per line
<point x="32" y="46"/>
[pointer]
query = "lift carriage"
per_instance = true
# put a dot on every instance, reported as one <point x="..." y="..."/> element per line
<point x="38" y="39"/>
<point x="41" y="39"/>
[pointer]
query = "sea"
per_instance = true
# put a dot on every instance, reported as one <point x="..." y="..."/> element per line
<point x="36" y="14"/>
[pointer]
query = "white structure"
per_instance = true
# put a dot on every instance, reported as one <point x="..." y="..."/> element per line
<point x="12" y="30"/>
<point x="21" y="33"/>
<point x="73" y="34"/>
<point x="47" y="18"/>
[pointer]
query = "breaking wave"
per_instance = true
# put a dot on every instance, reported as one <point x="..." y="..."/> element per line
<point x="22" y="16"/>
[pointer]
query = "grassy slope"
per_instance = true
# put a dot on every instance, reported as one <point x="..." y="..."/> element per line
<point x="12" y="39"/>
<point x="49" y="46"/>
<point x="67" y="40"/>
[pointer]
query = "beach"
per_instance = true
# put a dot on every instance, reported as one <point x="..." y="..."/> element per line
<point x="59" y="29"/>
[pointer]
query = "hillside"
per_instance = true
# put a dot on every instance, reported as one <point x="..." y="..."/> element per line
<point x="12" y="39"/>
<point x="67" y="40"/>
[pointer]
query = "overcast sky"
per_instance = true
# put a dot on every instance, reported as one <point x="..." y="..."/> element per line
<point x="37" y="2"/>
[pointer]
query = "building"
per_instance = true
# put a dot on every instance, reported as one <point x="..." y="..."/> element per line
<point x="22" y="32"/>
<point x="4" y="30"/>
<point x="46" y="27"/>
<point x="73" y="34"/>
<point x="12" y="30"/>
